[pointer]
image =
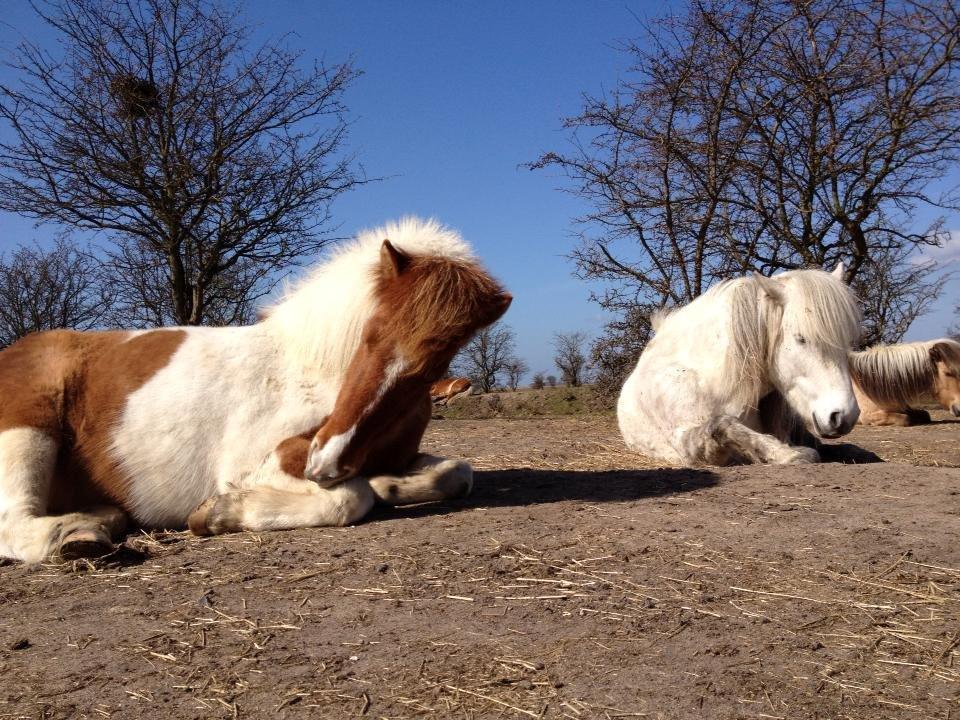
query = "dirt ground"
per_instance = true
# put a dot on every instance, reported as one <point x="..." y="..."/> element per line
<point x="577" y="581"/>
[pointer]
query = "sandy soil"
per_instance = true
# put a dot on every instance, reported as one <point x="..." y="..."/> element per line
<point x="577" y="581"/>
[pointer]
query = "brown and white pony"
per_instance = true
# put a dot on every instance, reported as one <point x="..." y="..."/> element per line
<point x="443" y="391"/>
<point x="887" y="378"/>
<point x="303" y="419"/>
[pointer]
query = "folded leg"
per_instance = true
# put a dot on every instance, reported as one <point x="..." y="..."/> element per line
<point x="269" y="508"/>
<point x="429" y="479"/>
<point x="27" y="532"/>
<point x="726" y="440"/>
<point x="277" y="496"/>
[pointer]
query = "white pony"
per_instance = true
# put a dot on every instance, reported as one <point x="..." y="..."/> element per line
<point x="737" y="374"/>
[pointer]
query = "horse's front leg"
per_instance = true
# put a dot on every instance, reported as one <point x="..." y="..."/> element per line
<point x="725" y="438"/>
<point x="429" y="479"/>
<point x="278" y="497"/>
<point x="897" y="418"/>
<point x="268" y="508"/>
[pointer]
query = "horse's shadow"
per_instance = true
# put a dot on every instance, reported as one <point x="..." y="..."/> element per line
<point x="847" y="454"/>
<point x="518" y="487"/>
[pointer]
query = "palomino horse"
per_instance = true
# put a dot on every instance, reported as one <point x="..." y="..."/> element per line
<point x="737" y="374"/>
<point x="443" y="391"/>
<point x="887" y="378"/>
<point x="303" y="419"/>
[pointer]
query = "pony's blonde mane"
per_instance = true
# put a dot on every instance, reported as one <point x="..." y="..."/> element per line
<point x="319" y="320"/>
<point x="900" y="373"/>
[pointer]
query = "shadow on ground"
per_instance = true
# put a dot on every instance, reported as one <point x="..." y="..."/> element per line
<point x="519" y="487"/>
<point x="847" y="454"/>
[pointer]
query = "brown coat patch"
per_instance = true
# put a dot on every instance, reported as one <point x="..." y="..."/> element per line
<point x="292" y="453"/>
<point x="73" y="385"/>
<point x="443" y="390"/>
<point x="391" y="453"/>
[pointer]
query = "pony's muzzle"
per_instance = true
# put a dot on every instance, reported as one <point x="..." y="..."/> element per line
<point x="838" y="423"/>
<point x="323" y="461"/>
<point x="955" y="410"/>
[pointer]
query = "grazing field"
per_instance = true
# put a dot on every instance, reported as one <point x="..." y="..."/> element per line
<point x="579" y="580"/>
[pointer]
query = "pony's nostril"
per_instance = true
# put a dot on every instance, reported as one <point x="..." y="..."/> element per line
<point x="836" y="419"/>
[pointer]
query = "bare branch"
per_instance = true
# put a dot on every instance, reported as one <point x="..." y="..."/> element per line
<point x="208" y="162"/>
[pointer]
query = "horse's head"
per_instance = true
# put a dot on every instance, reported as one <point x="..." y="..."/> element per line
<point x="427" y="308"/>
<point x="945" y="356"/>
<point x="820" y="321"/>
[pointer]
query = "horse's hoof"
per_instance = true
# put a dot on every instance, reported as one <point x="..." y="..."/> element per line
<point x="197" y="521"/>
<point x="90" y="543"/>
<point x="113" y="519"/>
<point x="457" y="482"/>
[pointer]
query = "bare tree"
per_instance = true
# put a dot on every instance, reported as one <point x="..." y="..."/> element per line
<point x="767" y="135"/>
<point x="538" y="381"/>
<point x="552" y="380"/>
<point x="516" y="369"/>
<point x="895" y="291"/>
<point x="570" y="357"/>
<point x="486" y="356"/>
<point x="614" y="354"/>
<point x="210" y="165"/>
<point x="47" y="289"/>
<point x="143" y="297"/>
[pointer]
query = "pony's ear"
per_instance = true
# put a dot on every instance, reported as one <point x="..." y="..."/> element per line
<point x="770" y="287"/>
<point x="392" y="261"/>
<point x="939" y="352"/>
<point x="839" y="270"/>
<point x="501" y="304"/>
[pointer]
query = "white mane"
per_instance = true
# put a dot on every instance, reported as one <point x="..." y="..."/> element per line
<point x="897" y="373"/>
<point x="753" y="311"/>
<point x="319" y="319"/>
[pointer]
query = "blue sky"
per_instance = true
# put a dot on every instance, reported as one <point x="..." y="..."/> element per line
<point x="455" y="96"/>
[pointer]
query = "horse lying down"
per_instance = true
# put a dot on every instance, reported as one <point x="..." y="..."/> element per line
<point x="887" y="378"/>
<point x="443" y="391"/>
<point x="303" y="419"/>
<point x="751" y="371"/>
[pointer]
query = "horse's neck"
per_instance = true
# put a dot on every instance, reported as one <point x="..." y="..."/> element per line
<point x="316" y="335"/>
<point x="743" y="370"/>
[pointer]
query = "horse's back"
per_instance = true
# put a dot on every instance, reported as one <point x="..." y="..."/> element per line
<point x="35" y="372"/>
<point x="73" y="386"/>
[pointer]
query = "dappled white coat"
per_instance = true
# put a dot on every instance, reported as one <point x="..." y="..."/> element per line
<point x="695" y="394"/>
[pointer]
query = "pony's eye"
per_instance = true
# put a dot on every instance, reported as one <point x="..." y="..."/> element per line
<point x="801" y="340"/>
